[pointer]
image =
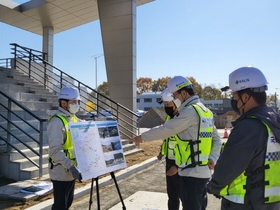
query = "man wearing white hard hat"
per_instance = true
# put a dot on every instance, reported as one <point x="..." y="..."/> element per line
<point x="167" y="150"/>
<point x="246" y="175"/>
<point x="198" y="143"/>
<point x="63" y="169"/>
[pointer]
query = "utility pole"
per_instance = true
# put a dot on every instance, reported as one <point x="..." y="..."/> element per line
<point x="95" y="58"/>
<point x="275" y="100"/>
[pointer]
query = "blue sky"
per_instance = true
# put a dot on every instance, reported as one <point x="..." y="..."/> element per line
<point x="203" y="39"/>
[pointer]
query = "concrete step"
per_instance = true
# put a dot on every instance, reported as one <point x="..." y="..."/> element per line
<point x="22" y="88"/>
<point x="12" y="87"/>
<point x="14" y="140"/>
<point x="45" y="97"/>
<point x="26" y="139"/>
<point x="125" y="141"/>
<point x="24" y="115"/>
<point x="32" y="105"/>
<point x="127" y="147"/>
<point x="133" y="151"/>
<point x="24" y="126"/>
<point x="18" y="81"/>
<point x="16" y="75"/>
<point x="32" y="172"/>
<point x="25" y="163"/>
<point x="11" y="72"/>
<point x="15" y="156"/>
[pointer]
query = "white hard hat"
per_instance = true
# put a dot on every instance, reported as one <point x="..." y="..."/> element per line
<point x="177" y="83"/>
<point x="69" y="93"/>
<point x="247" y="77"/>
<point x="166" y="95"/>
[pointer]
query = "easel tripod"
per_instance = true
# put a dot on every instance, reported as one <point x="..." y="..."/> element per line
<point x="97" y="192"/>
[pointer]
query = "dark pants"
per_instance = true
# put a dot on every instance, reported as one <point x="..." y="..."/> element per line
<point x="193" y="193"/>
<point x="63" y="194"/>
<point x="173" y="187"/>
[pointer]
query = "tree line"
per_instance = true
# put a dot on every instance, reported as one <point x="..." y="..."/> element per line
<point x="207" y="92"/>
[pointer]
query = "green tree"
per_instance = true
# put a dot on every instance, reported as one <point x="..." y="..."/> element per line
<point x="271" y="100"/>
<point x="103" y="88"/>
<point x="211" y="93"/>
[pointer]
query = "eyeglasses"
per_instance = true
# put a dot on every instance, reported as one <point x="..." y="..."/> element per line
<point x="239" y="94"/>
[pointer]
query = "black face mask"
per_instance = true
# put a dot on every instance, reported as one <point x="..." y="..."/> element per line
<point x="234" y="105"/>
<point x="169" y="111"/>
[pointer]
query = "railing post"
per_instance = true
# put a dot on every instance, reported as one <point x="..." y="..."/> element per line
<point x="41" y="150"/>
<point x="45" y="74"/>
<point x="60" y="80"/>
<point x="9" y="116"/>
<point x="97" y="102"/>
<point x="15" y="58"/>
<point x="29" y="64"/>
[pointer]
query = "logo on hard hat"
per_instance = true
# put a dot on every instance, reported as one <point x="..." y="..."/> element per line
<point x="242" y="81"/>
<point x="183" y="84"/>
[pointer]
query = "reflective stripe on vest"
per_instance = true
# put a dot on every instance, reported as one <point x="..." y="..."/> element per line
<point x="189" y="153"/>
<point x="236" y="191"/>
<point x="68" y="146"/>
<point x="168" y="145"/>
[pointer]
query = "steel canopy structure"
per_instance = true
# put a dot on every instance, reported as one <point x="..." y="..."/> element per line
<point x="61" y="15"/>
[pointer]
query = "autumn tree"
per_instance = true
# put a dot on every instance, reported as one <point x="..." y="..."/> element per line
<point x="160" y="84"/>
<point x="144" y="84"/>
<point x="197" y="86"/>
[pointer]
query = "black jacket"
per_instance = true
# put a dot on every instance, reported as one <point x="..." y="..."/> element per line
<point x="245" y="150"/>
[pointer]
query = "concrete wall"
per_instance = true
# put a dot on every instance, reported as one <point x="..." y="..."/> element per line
<point x="222" y="121"/>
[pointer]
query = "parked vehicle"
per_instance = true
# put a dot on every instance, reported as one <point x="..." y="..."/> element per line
<point x="140" y="113"/>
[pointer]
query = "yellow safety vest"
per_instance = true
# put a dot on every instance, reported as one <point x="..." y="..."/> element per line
<point x="186" y="155"/>
<point x="68" y="146"/>
<point x="236" y="190"/>
<point x="168" y="145"/>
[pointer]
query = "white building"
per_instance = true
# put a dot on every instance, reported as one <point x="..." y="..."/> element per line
<point x="149" y="100"/>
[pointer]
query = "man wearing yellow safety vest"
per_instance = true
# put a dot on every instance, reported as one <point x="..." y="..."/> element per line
<point x="198" y="143"/>
<point x="62" y="161"/>
<point x="167" y="150"/>
<point x="246" y="175"/>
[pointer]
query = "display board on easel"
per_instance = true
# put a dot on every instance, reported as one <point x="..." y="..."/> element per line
<point x="98" y="147"/>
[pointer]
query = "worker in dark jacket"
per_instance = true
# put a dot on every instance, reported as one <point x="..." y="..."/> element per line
<point x="246" y="175"/>
<point x="167" y="150"/>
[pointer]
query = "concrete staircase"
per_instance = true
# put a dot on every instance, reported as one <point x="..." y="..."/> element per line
<point x="39" y="100"/>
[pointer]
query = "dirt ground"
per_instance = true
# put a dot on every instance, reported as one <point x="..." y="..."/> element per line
<point x="151" y="149"/>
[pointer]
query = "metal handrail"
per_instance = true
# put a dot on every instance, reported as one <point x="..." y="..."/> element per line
<point x="5" y="62"/>
<point x="8" y="129"/>
<point x="33" y="64"/>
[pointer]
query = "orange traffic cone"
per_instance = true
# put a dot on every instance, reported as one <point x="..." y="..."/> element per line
<point x="225" y="133"/>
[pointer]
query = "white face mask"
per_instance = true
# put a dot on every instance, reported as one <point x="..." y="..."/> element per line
<point x="74" y="108"/>
<point x="177" y="102"/>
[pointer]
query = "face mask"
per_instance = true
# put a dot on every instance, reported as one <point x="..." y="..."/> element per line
<point x="177" y="102"/>
<point x="74" y="108"/>
<point x="169" y="111"/>
<point x="234" y="105"/>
